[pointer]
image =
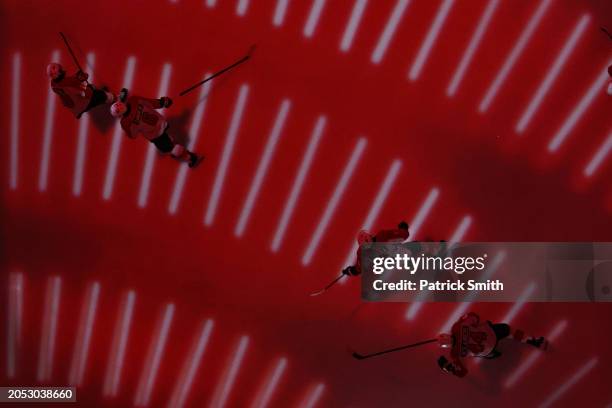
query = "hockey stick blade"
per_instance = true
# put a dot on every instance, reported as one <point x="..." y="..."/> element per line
<point x="358" y="356"/>
<point x="319" y="292"/>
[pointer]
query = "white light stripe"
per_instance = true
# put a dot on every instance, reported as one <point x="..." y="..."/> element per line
<point x="520" y="302"/>
<point x="120" y="338"/>
<point x="468" y="55"/>
<point x="262" y="169"/>
<point x="298" y="183"/>
<point x="389" y="31"/>
<point x="15" y="100"/>
<point x="113" y="159"/>
<point x="79" y="161"/>
<point x="423" y="213"/>
<point x="279" y="12"/>
<point x="190" y="367"/>
<point x="578" y="112"/>
<point x="229" y="377"/>
<point x="599" y="157"/>
<point x="513" y="57"/>
<point x="552" y="74"/>
<point x="147" y="171"/>
<point x="194" y="132"/>
<point x="351" y="27"/>
<point x="430" y="40"/>
<point x="461" y="230"/>
<point x="313" y="17"/>
<point x="86" y="322"/>
<point x="462" y="307"/>
<point x="533" y="356"/>
<point x="154" y="355"/>
<point x="334" y="200"/>
<point x="49" y="329"/>
<point x="211" y="3"/>
<point x="380" y="199"/>
<point x="313" y="398"/>
<point x="415" y="226"/>
<point x="43" y="175"/>
<point x="414" y="308"/>
<point x="14" y="322"/>
<point x="264" y="396"/>
<point x="230" y="140"/>
<point x="241" y="8"/>
<point x="573" y="380"/>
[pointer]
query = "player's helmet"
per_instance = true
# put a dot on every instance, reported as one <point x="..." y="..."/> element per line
<point x="117" y="109"/>
<point x="445" y="340"/>
<point x="364" y="236"/>
<point x="54" y="70"/>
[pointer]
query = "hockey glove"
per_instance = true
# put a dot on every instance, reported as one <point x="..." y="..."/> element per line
<point x="350" y="270"/>
<point x="165" y="102"/>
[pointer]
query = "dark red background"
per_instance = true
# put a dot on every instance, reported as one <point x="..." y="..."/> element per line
<point x="510" y="185"/>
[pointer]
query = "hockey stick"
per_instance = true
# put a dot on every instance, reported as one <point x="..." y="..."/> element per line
<point x="606" y="32"/>
<point x="364" y="356"/>
<point x="71" y="52"/>
<point x="216" y="74"/>
<point x="317" y="293"/>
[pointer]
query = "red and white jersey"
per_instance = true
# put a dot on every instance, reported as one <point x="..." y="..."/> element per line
<point x="472" y="337"/>
<point x="142" y="119"/>
<point x="74" y="93"/>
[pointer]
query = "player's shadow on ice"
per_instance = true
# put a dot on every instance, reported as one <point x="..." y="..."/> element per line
<point x="101" y="118"/>
<point x="495" y="372"/>
<point x="179" y="124"/>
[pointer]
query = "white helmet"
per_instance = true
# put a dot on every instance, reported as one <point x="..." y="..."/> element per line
<point x="54" y="70"/>
<point x="118" y="109"/>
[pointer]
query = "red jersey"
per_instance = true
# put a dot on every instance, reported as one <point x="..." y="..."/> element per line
<point x="74" y="92"/>
<point x="471" y="338"/>
<point x="392" y="235"/>
<point x="142" y="118"/>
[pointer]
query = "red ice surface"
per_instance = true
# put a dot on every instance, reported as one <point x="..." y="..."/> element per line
<point x="74" y="203"/>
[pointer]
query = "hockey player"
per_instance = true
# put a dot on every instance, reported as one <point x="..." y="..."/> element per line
<point x="471" y="337"/>
<point x="139" y="116"/>
<point x="78" y="95"/>
<point x="400" y="234"/>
